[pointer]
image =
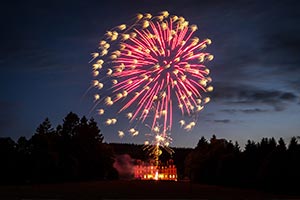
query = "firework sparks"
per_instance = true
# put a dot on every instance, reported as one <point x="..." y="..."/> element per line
<point x="151" y="69"/>
<point x="158" y="137"/>
<point x="157" y="141"/>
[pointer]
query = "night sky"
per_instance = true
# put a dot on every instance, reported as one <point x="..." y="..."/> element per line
<point x="46" y="46"/>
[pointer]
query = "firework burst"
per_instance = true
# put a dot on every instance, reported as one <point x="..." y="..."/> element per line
<point x="158" y="138"/>
<point x="150" y="69"/>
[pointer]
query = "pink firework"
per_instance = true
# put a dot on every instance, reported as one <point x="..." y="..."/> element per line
<point x="151" y="69"/>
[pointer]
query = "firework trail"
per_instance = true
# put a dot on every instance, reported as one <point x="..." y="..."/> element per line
<point x="158" y="139"/>
<point x="149" y="70"/>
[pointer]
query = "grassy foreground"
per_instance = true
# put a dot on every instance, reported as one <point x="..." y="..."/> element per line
<point x="130" y="190"/>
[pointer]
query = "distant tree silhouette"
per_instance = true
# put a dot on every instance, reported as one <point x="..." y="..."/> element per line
<point x="265" y="165"/>
<point x="70" y="125"/>
<point x="75" y="151"/>
<point x="45" y="128"/>
<point x="90" y="153"/>
<point x="204" y="163"/>
<point x="293" y="146"/>
<point x="237" y="148"/>
<point x="202" y="143"/>
<point x="179" y="160"/>
<point x="24" y="160"/>
<point x="293" y="165"/>
<point x="43" y="149"/>
<point x="281" y="145"/>
<point x="8" y="160"/>
<point x="67" y="162"/>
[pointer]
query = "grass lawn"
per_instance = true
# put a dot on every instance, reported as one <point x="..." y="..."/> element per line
<point x="130" y="190"/>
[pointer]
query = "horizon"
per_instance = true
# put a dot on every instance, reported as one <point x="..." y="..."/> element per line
<point x="208" y="138"/>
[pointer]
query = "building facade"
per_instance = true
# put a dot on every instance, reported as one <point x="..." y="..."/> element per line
<point x="149" y="171"/>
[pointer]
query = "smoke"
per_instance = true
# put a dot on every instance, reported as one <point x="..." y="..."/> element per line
<point x="124" y="165"/>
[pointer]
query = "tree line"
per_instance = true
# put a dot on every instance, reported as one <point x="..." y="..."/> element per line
<point x="72" y="151"/>
<point x="75" y="151"/>
<point x="268" y="165"/>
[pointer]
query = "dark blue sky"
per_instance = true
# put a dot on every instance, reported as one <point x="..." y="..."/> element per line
<point x="46" y="46"/>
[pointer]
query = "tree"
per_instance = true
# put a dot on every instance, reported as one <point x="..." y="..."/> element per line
<point x="250" y="147"/>
<point x="70" y="124"/>
<point x="237" y="148"/>
<point x="7" y="160"/>
<point x="213" y="138"/>
<point x="281" y="145"/>
<point x="24" y="160"/>
<point x="45" y="127"/>
<point x="293" y="144"/>
<point x="94" y="127"/>
<point x="202" y="143"/>
<point x="43" y="153"/>
<point x="89" y="151"/>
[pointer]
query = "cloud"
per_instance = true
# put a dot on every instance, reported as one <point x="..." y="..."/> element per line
<point x="265" y="96"/>
<point x="224" y="121"/>
<point x="280" y="56"/>
<point x="29" y="54"/>
<point x="246" y="111"/>
<point x="294" y="84"/>
<point x="288" y="96"/>
<point x="249" y="95"/>
<point x="255" y="110"/>
<point x="250" y="48"/>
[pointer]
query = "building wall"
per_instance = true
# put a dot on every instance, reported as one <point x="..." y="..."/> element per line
<point x="144" y="171"/>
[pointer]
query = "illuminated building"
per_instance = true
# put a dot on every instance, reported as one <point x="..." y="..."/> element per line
<point x="149" y="171"/>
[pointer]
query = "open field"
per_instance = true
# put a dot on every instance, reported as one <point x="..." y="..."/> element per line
<point x="129" y="190"/>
